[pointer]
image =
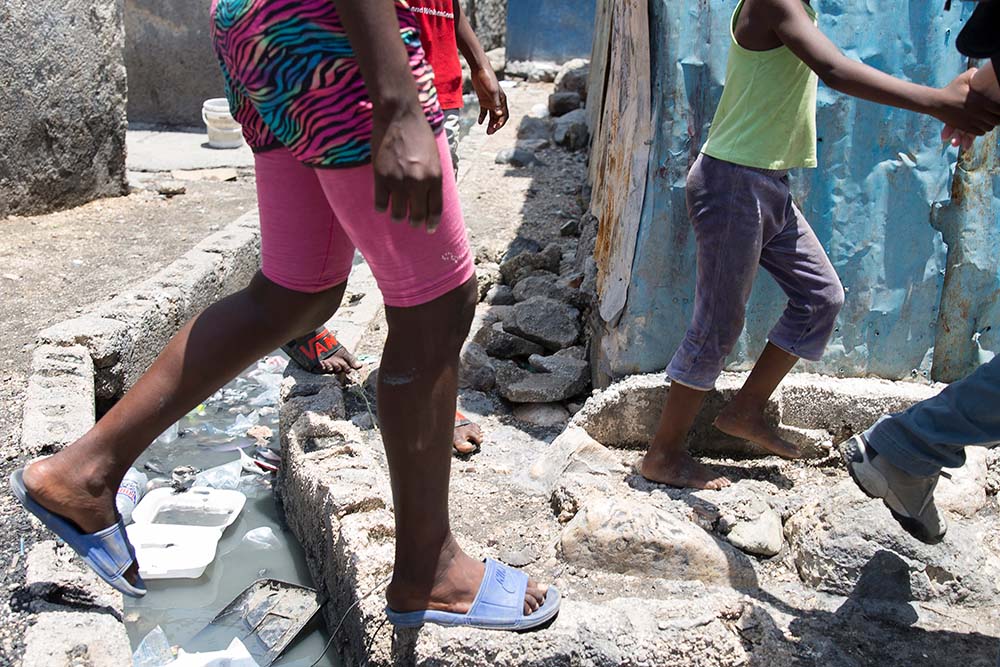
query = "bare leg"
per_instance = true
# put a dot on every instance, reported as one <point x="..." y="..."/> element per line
<point x="417" y="386"/>
<point x="744" y="416"/>
<point x="467" y="438"/>
<point x="667" y="461"/>
<point x="80" y="481"/>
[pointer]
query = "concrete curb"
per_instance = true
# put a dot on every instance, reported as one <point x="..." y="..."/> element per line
<point x="85" y="364"/>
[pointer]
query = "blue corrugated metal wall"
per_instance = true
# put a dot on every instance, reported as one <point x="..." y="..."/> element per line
<point x="879" y="202"/>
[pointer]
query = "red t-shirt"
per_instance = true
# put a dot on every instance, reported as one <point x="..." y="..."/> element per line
<point x="437" y="34"/>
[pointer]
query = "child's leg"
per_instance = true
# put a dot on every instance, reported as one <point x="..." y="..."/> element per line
<point x="798" y="263"/>
<point x="731" y="210"/>
<point x="429" y="288"/>
<point x="80" y="482"/>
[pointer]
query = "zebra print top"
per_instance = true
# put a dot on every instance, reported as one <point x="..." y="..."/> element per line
<point x="292" y="78"/>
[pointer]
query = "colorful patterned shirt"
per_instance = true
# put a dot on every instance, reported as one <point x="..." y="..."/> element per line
<point x="292" y="78"/>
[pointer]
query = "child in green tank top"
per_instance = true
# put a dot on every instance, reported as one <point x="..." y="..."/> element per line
<point x="744" y="217"/>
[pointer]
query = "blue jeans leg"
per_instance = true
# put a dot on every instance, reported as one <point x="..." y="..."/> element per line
<point x="933" y="434"/>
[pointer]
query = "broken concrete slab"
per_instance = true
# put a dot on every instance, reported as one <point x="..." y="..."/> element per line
<point x="59" y="405"/>
<point x="475" y="370"/>
<point x="168" y="151"/>
<point x="76" y="639"/>
<point x="573" y="77"/>
<point x="57" y="576"/>
<point x="562" y="103"/>
<point x="514" y="267"/>
<point x="571" y="130"/>
<point x="550" y="323"/>
<point x="557" y="379"/>
<point x="502" y="345"/>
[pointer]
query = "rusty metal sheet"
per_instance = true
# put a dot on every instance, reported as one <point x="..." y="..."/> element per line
<point x="620" y="153"/>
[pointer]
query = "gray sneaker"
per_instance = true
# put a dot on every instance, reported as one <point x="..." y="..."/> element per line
<point x="909" y="498"/>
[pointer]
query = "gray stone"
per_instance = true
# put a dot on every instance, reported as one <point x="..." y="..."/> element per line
<point x="533" y="145"/>
<point x="59" y="405"/>
<point x="555" y="381"/>
<point x="172" y="67"/>
<point x="524" y="264"/>
<point x="965" y="493"/>
<point x="516" y="157"/>
<point x="63" y="137"/>
<point x="573" y="77"/>
<point x="561" y="104"/>
<point x="532" y="70"/>
<point x="838" y="538"/>
<point x="571" y="131"/>
<point x="551" y="323"/>
<point x="626" y="536"/>
<point x="500" y="295"/>
<point x="56" y="575"/>
<point x="104" y="338"/>
<point x="502" y="345"/>
<point x="519" y="246"/>
<point x="487" y="277"/>
<point x="572" y="452"/>
<point x="545" y="284"/>
<point x="541" y="414"/>
<point x="489" y="21"/>
<point x="761" y="536"/>
<point x="535" y="129"/>
<point x="475" y="370"/>
<point x="570" y="228"/>
<point x="76" y="639"/>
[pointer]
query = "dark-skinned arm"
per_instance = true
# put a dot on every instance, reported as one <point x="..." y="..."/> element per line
<point x="404" y="150"/>
<point x="956" y="104"/>
<point x="492" y="99"/>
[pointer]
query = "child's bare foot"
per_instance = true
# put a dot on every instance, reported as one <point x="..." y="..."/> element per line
<point x="683" y="472"/>
<point x="751" y="425"/>
<point x="341" y="362"/>
<point x="468" y="437"/>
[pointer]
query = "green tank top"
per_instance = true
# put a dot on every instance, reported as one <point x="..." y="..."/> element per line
<point x="767" y="115"/>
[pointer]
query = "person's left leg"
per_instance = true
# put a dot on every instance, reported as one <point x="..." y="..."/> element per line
<point x="800" y="266"/>
<point x="452" y="129"/>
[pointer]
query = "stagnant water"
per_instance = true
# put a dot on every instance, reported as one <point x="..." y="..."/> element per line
<point x="182" y="607"/>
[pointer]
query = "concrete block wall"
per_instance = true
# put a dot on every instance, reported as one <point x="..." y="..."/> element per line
<point x="62" y="111"/>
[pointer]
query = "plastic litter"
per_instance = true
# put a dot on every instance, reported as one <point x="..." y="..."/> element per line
<point x="200" y="507"/>
<point x="235" y="655"/>
<point x="268" y="616"/>
<point x="182" y="478"/>
<point x="170" y="434"/>
<point x="130" y="492"/>
<point x="154" y="650"/>
<point x="226" y="476"/>
<point x="173" y="551"/>
<point x="243" y="424"/>
<point x="262" y="538"/>
<point x="273" y="364"/>
<point x="255" y="465"/>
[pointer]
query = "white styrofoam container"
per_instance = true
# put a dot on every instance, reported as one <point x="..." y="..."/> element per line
<point x="167" y="551"/>
<point x="199" y="507"/>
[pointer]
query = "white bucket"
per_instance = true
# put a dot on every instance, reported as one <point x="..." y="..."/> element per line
<point x="223" y="131"/>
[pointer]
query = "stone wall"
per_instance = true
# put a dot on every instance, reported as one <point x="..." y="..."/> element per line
<point x="489" y="20"/>
<point x="62" y="112"/>
<point x="172" y="68"/>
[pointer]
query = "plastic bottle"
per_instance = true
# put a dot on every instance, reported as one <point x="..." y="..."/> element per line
<point x="130" y="491"/>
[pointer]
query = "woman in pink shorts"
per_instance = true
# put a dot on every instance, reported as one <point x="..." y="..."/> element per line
<point x="344" y="121"/>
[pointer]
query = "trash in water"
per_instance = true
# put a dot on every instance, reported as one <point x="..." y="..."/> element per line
<point x="236" y="655"/>
<point x="268" y="454"/>
<point x="200" y="507"/>
<point x="154" y="466"/>
<point x="130" y="492"/>
<point x="267" y="616"/>
<point x="159" y="483"/>
<point x="226" y="476"/>
<point x="167" y="551"/>
<point x="154" y="650"/>
<point x="198" y="411"/>
<point x="243" y="424"/>
<point x="183" y="478"/>
<point x="262" y="434"/>
<point x="170" y="434"/>
<point x="262" y="538"/>
<point x="252" y="464"/>
<point x="273" y="364"/>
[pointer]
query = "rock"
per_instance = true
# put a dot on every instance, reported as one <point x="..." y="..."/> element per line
<point x="498" y="59"/>
<point x="475" y="369"/>
<point x="534" y="71"/>
<point x="541" y="414"/>
<point x="965" y="492"/>
<point x="104" y="338"/>
<point x="761" y="537"/>
<point x="551" y="323"/>
<point x="487" y="275"/>
<point x="571" y="131"/>
<point x="844" y="539"/>
<point x="519" y="246"/>
<point x="56" y="575"/>
<point x="500" y="295"/>
<point x="547" y="285"/>
<point x="519" y="557"/>
<point x="626" y="536"/>
<point x="573" y="77"/>
<point x="572" y="452"/>
<point x="533" y="145"/>
<point x="170" y="188"/>
<point x="561" y="104"/>
<point x="516" y="157"/>
<point x="575" y="352"/>
<point x="502" y="345"/>
<point x="535" y="129"/>
<point x="570" y="228"/>
<point x="76" y="639"/>
<point x="557" y="379"/>
<point x="516" y="267"/>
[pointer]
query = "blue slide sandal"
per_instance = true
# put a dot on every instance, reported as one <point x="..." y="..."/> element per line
<point x="499" y="605"/>
<point x="107" y="551"/>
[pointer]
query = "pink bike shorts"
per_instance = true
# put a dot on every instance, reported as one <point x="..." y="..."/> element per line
<point x="312" y="220"/>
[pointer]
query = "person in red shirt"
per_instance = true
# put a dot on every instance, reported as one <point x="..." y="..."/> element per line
<point x="444" y="31"/>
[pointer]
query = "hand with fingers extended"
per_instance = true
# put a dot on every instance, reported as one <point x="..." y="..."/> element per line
<point x="492" y="99"/>
<point x="407" y="168"/>
<point x="984" y="82"/>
